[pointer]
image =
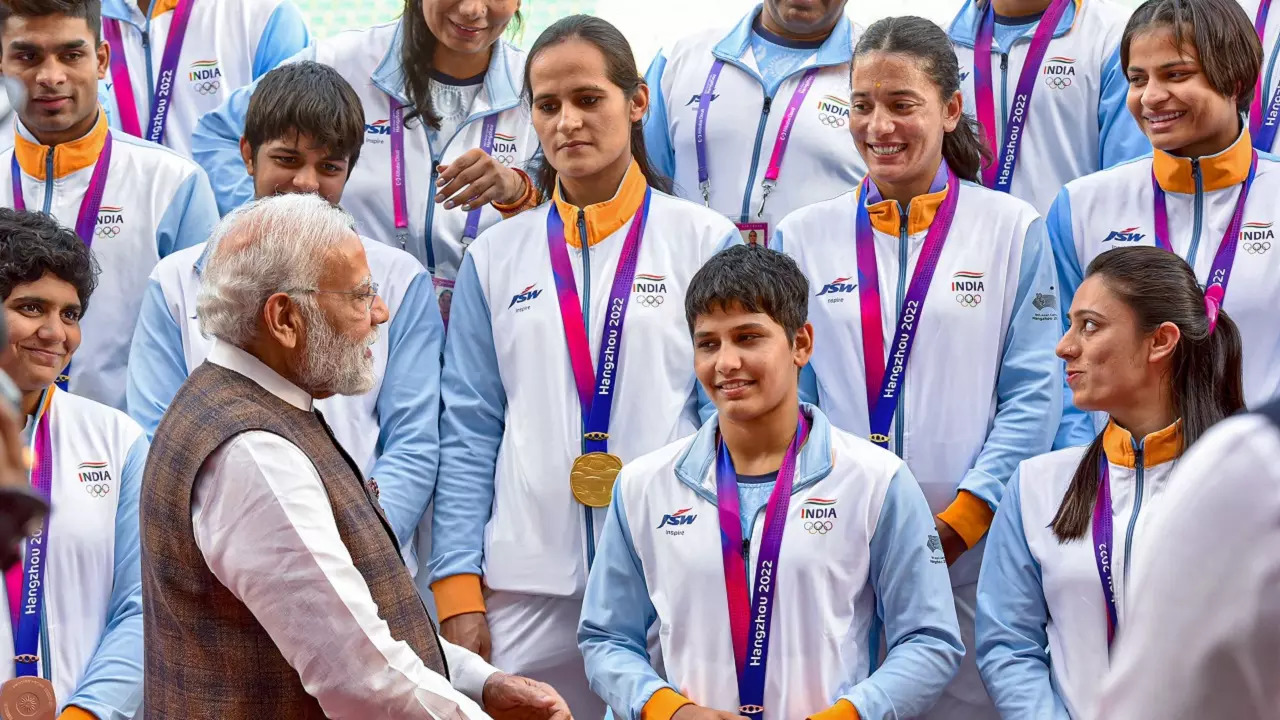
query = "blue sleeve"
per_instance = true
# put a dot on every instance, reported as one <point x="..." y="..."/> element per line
<point x="190" y="217"/>
<point x="1076" y="427"/>
<point x="616" y="616"/>
<point x="408" y="409"/>
<point x="284" y="36"/>
<point x="471" y="426"/>
<point x="215" y="145"/>
<point x="657" y="132"/>
<point x="112" y="685"/>
<point x="1119" y="138"/>
<point x="914" y="601"/>
<point x="1028" y="401"/>
<point x="157" y="365"/>
<point x="1013" y="646"/>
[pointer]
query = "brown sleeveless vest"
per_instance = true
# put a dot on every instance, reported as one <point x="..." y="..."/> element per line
<point x="206" y="654"/>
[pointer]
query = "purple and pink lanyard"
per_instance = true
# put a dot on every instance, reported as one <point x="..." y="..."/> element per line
<point x="166" y="81"/>
<point x="779" y="143"/>
<point x="24" y="582"/>
<point x="90" y="205"/>
<point x="751" y="609"/>
<point x="399" y="188"/>
<point x="596" y="382"/>
<point x="1262" y="127"/>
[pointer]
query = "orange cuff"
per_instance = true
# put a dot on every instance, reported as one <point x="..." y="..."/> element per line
<point x="663" y="704"/>
<point x="457" y="595"/>
<point x="74" y="713"/>
<point x="969" y="516"/>
<point x="842" y="710"/>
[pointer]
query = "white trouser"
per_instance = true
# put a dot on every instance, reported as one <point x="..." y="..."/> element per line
<point x="966" y="697"/>
<point x="537" y="636"/>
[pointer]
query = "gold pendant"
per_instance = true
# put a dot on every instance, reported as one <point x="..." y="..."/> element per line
<point x="592" y="478"/>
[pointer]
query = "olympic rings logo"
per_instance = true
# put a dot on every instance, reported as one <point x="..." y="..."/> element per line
<point x="504" y="159"/>
<point x="650" y="301"/>
<point x="969" y="299"/>
<point x="207" y="87"/>
<point x="818" y="527"/>
<point x="1256" y="248"/>
<point x="1057" y="82"/>
<point x="97" y="490"/>
<point x="831" y="121"/>
<point x="107" y="231"/>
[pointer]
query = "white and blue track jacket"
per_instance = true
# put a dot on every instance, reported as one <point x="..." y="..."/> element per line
<point x="743" y="118"/>
<point x="878" y="568"/>
<point x="1078" y="121"/>
<point x="391" y="431"/>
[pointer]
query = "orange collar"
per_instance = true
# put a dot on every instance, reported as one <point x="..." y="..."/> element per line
<point x="163" y="6"/>
<point x="1157" y="448"/>
<point x="1227" y="168"/>
<point x="68" y="157"/>
<point x="603" y="219"/>
<point x="886" y="216"/>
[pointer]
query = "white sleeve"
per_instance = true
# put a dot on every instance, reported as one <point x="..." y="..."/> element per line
<point x="1203" y="623"/>
<point x="264" y="524"/>
<point x="467" y="670"/>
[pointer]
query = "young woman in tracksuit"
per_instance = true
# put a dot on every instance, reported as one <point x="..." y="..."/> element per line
<point x="567" y="356"/>
<point x="1043" y="78"/>
<point x="831" y="526"/>
<point x="922" y="254"/>
<point x="1205" y="194"/>
<point x="751" y="121"/>
<point x="445" y="130"/>
<point x="1150" y="348"/>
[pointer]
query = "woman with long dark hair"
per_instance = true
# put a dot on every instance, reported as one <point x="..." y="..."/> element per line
<point x="1205" y="194"/>
<point x="568" y="355"/>
<point x="920" y="253"/>
<point x="446" y="132"/>
<point x="1156" y="353"/>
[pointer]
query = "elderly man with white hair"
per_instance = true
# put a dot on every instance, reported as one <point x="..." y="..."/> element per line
<point x="272" y="585"/>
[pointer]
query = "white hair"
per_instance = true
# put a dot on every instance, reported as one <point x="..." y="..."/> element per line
<point x="276" y="244"/>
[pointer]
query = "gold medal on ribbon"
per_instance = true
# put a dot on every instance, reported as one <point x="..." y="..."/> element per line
<point x="592" y="478"/>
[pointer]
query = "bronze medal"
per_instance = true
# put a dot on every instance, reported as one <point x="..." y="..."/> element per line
<point x="27" y="698"/>
<point x="592" y="477"/>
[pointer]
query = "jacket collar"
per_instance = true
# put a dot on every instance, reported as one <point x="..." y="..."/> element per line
<point x="964" y="28"/>
<point x="499" y="93"/>
<point x="837" y="49"/>
<point x="1158" y="448"/>
<point x="886" y="216"/>
<point x="1223" y="170"/>
<point x="68" y="157"/>
<point x="128" y="11"/>
<point x="603" y="219"/>
<point x="694" y="467"/>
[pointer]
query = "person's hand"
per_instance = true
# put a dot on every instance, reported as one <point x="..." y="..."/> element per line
<point x="511" y="697"/>
<point x="468" y="630"/>
<point x="697" y="712"/>
<point x="953" y="545"/>
<point x="475" y="179"/>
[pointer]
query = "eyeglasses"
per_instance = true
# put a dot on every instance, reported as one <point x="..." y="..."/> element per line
<point x="368" y="293"/>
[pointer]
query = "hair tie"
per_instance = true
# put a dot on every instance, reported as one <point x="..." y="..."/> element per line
<point x="1212" y="304"/>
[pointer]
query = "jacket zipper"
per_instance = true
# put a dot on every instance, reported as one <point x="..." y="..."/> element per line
<point x="1004" y="101"/>
<point x="48" y="181"/>
<point x="1137" y="506"/>
<point x="431" y="211"/>
<point x="755" y="157"/>
<point x="900" y="410"/>
<point x="151" y="82"/>
<point x="587" y="511"/>
<point x="1198" y="176"/>
<point x="46" y="658"/>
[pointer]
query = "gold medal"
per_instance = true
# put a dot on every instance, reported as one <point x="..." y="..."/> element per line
<point x="27" y="698"/>
<point x="592" y="477"/>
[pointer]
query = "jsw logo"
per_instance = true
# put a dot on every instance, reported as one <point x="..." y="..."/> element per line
<point x="698" y="96"/>
<point x="525" y="295"/>
<point x="1125" y="235"/>
<point x="839" y="285"/>
<point x="380" y="127"/>
<point x="677" y="518"/>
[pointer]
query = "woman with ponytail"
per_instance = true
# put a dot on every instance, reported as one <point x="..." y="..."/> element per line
<point x="1205" y="194"/>
<point x="920" y="253"/>
<point x="1156" y="353"/>
<point x="568" y="355"/>
<point x="446" y="133"/>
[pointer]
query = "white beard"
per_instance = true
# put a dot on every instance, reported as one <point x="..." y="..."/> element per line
<point x="332" y="363"/>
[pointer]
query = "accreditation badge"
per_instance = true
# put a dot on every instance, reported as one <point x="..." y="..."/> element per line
<point x="754" y="233"/>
